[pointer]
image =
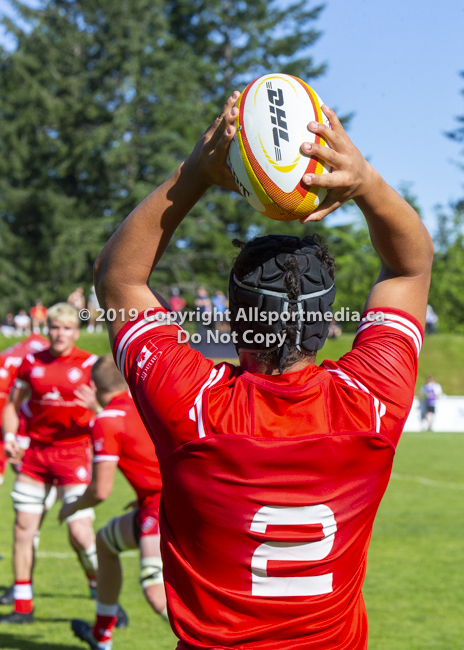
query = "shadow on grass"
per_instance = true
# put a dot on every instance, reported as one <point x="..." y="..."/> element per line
<point x="12" y="641"/>
<point x="63" y="595"/>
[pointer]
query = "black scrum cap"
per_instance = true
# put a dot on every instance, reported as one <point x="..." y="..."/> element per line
<point x="264" y="288"/>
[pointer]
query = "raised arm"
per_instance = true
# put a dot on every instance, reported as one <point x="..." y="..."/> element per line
<point x="124" y="266"/>
<point x="398" y="235"/>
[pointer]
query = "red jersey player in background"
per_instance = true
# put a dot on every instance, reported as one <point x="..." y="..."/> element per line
<point x="273" y="471"/>
<point x="6" y="380"/>
<point x="120" y="440"/>
<point x="10" y="360"/>
<point x="59" y="453"/>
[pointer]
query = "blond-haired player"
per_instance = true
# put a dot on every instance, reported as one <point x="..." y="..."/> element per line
<point x="59" y="453"/>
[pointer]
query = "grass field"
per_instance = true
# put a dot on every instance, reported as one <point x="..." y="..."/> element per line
<point x="60" y="587"/>
<point x="414" y="589"/>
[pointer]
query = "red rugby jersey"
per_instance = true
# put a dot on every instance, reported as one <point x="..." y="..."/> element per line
<point x="119" y="434"/>
<point x="55" y="418"/>
<point x="271" y="482"/>
<point x="6" y="381"/>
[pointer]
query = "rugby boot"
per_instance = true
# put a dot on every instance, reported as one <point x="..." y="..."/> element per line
<point x="16" y="618"/>
<point x="84" y="632"/>
<point x="123" y="619"/>
<point x="7" y="598"/>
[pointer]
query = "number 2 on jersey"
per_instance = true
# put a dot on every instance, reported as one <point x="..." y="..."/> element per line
<point x="270" y="586"/>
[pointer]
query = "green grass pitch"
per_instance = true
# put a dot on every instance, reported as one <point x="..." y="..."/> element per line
<point x="61" y="591"/>
<point x="414" y="589"/>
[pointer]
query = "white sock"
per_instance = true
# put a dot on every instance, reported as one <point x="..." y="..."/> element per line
<point x="106" y="610"/>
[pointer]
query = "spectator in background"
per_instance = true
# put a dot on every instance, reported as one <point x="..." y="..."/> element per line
<point x="39" y="317"/>
<point x="334" y="330"/>
<point x="93" y="307"/>
<point x="431" y="320"/>
<point x="219" y="303"/>
<point x="77" y="298"/>
<point x="8" y="326"/>
<point x="22" y="323"/>
<point x="176" y="302"/>
<point x="204" y="307"/>
<point x="430" y="392"/>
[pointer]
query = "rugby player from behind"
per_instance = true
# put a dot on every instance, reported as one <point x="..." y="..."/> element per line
<point x="273" y="471"/>
<point x="59" y="452"/>
<point x="120" y="439"/>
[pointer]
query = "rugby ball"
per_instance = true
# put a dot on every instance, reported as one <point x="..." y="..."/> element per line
<point x="265" y="156"/>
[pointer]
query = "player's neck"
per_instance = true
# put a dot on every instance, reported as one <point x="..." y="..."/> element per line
<point x="249" y="363"/>
<point x="61" y="353"/>
<point x="105" y="398"/>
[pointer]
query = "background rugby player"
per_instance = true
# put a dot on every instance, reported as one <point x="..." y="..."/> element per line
<point x="121" y="440"/>
<point x="59" y="453"/>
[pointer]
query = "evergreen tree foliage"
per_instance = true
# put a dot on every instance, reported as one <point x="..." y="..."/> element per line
<point x="458" y="136"/>
<point x="92" y="119"/>
<point x="241" y="40"/>
<point x="446" y="296"/>
<point x="99" y="102"/>
<point x="236" y="42"/>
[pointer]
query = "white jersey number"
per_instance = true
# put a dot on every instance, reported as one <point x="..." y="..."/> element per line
<point x="264" y="585"/>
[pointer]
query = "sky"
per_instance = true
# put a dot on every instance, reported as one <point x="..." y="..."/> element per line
<point x="396" y="65"/>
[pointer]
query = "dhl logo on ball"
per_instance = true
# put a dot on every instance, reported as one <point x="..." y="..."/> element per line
<point x="265" y="155"/>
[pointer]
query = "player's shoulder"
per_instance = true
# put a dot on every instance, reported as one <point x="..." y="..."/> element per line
<point x="383" y="323"/>
<point x="4" y="372"/>
<point x="120" y="407"/>
<point x="41" y="356"/>
<point x="86" y="359"/>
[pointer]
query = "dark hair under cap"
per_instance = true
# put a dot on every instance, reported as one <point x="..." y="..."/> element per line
<point x="280" y="273"/>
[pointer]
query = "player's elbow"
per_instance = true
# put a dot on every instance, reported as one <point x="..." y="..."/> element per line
<point x="98" y="274"/>
<point x="102" y="278"/>
<point x="421" y="259"/>
<point x="430" y="250"/>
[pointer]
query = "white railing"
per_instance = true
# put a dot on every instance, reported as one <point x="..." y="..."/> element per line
<point x="449" y="415"/>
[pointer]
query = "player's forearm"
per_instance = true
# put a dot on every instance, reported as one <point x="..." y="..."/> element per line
<point x="397" y="232"/>
<point x="133" y="251"/>
<point x="89" y="499"/>
<point x="10" y="420"/>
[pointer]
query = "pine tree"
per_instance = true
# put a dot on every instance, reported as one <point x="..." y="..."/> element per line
<point x="93" y="118"/>
<point x="458" y="136"/>
<point x="236" y="42"/>
<point x="448" y="269"/>
<point x="100" y="102"/>
<point x="239" y="40"/>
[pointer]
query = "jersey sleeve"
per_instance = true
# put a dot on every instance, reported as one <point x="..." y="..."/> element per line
<point x="383" y="362"/>
<point x="166" y="377"/>
<point x="22" y="378"/>
<point x="105" y="434"/>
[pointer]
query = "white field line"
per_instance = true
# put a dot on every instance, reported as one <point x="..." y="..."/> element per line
<point x="60" y="556"/>
<point x="427" y="481"/>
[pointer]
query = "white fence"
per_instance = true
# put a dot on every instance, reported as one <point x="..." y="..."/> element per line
<point x="449" y="415"/>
